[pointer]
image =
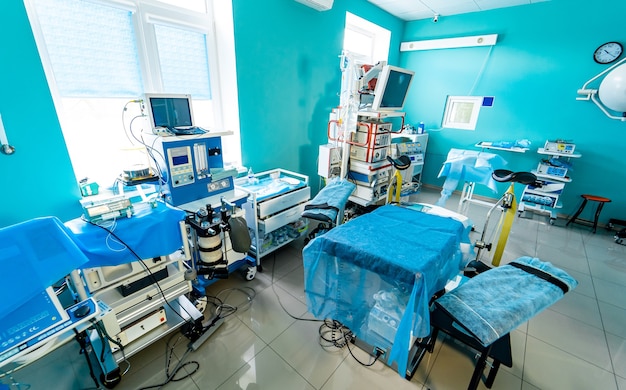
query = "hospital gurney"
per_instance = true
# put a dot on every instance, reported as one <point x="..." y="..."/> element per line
<point x="377" y="273"/>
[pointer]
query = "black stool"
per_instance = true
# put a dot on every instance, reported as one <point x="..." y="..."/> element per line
<point x="601" y="201"/>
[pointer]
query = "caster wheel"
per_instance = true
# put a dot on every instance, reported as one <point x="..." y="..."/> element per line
<point x="250" y="273"/>
<point x="111" y="380"/>
<point x="552" y="221"/>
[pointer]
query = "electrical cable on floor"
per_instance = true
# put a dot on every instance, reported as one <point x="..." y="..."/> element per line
<point x="330" y="331"/>
<point x="281" y="303"/>
<point x="338" y="336"/>
<point x="181" y="364"/>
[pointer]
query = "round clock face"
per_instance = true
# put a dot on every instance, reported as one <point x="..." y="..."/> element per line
<point x="608" y="52"/>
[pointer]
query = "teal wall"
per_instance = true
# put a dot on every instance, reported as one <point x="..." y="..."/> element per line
<point x="542" y="56"/>
<point x="37" y="180"/>
<point x="289" y="78"/>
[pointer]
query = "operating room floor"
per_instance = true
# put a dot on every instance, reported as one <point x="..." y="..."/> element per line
<point x="578" y="343"/>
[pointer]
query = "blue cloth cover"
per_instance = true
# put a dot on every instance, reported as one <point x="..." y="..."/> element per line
<point x="330" y="199"/>
<point x="34" y="255"/>
<point x="497" y="301"/>
<point x="390" y="249"/>
<point x="268" y="187"/>
<point x="468" y="166"/>
<point x="150" y="232"/>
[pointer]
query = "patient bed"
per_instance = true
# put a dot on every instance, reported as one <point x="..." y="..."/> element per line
<point x="377" y="273"/>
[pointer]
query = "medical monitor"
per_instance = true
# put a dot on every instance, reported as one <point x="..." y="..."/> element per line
<point x="169" y="111"/>
<point x="36" y="316"/>
<point x="392" y="88"/>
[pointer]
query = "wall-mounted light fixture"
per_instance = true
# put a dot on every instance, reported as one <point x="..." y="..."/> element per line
<point x="5" y="148"/>
<point x="450" y="43"/>
<point x="611" y="95"/>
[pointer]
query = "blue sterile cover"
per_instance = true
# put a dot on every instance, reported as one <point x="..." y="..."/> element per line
<point x="410" y="253"/>
<point x="499" y="300"/>
<point x="327" y="203"/>
<point x="34" y="255"/>
<point x="150" y="232"/>
<point x="468" y="166"/>
<point x="268" y="187"/>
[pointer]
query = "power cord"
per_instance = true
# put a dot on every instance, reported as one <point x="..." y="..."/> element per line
<point x="181" y="364"/>
<point x="334" y="334"/>
<point x="278" y="297"/>
<point x="147" y="269"/>
<point x="331" y="332"/>
<point x="171" y="377"/>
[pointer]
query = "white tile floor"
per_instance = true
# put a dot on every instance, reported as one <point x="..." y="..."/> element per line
<point x="578" y="343"/>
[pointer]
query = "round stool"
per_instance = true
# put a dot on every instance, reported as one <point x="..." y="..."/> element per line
<point x="601" y="201"/>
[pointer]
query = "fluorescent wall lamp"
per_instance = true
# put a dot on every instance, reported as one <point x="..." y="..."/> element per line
<point x="611" y="95"/>
<point x="450" y="43"/>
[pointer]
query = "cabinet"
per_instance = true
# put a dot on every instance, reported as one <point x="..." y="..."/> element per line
<point x="552" y="172"/>
<point x="138" y="311"/>
<point x="273" y="210"/>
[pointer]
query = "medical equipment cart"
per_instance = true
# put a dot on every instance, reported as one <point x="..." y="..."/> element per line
<point x="369" y="147"/>
<point x="273" y="210"/>
<point x="553" y="174"/>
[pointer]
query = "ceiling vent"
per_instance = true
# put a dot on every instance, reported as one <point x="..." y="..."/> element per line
<point x="320" y="5"/>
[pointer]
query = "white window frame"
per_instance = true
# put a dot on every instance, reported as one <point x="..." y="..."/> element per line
<point x="218" y="26"/>
<point x="380" y="36"/>
<point x="462" y="112"/>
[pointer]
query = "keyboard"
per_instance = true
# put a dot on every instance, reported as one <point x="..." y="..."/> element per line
<point x="187" y="130"/>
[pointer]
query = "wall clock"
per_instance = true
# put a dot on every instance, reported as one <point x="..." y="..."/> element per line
<point x="608" y="52"/>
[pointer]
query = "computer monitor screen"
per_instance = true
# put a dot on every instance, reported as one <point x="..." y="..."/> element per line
<point x="392" y="88"/>
<point x="170" y="111"/>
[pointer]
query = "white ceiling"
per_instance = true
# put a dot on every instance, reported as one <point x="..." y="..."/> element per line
<point x="426" y="9"/>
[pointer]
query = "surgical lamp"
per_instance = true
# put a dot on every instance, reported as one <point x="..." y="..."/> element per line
<point x="611" y="95"/>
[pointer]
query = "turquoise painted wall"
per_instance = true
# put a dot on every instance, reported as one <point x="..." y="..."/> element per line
<point x="289" y="77"/>
<point x="37" y="180"/>
<point x="543" y="55"/>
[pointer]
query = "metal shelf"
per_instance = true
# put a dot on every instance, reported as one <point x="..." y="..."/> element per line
<point x="487" y="145"/>
<point x="548" y="153"/>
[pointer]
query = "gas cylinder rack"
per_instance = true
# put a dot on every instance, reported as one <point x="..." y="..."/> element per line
<point x="553" y="174"/>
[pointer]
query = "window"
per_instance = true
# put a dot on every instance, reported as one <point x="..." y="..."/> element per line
<point x="101" y="56"/>
<point x="462" y="112"/>
<point x="367" y="42"/>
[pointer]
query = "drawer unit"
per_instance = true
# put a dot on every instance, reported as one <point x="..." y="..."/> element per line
<point x="272" y="223"/>
<point x="274" y="209"/>
<point x="272" y="206"/>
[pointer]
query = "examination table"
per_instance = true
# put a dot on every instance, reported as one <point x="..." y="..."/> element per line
<point x="377" y="273"/>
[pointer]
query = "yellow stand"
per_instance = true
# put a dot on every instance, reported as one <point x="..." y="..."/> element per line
<point x="398" y="179"/>
<point x="506" y="228"/>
